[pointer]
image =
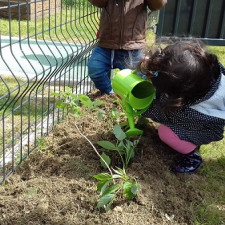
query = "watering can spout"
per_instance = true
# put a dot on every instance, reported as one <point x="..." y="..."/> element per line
<point x="136" y="94"/>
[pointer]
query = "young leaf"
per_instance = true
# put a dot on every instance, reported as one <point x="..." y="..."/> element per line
<point x="98" y="103"/>
<point x="107" y="207"/>
<point x="60" y="104"/>
<point x="123" y="114"/>
<point x="114" y="113"/>
<point x="135" y="188"/>
<point x="103" y="176"/>
<point x="129" y="149"/>
<point x="77" y="114"/>
<point x="111" y="190"/>
<point x="68" y="90"/>
<point x="100" y="114"/>
<point x="107" y="145"/>
<point x="55" y="94"/>
<point x="121" y="146"/>
<point x="115" y="176"/>
<point x="128" y="156"/>
<point x="74" y="96"/>
<point x="127" y="190"/>
<point x="85" y="100"/>
<point x="123" y="124"/>
<point x="118" y="132"/>
<point x="102" y="185"/>
<point x="107" y="160"/>
<point x="104" y="200"/>
<point x="120" y="172"/>
<point x="129" y="143"/>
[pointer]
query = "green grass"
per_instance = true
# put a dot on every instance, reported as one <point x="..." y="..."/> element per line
<point x="69" y="25"/>
<point x="212" y="210"/>
<point x="219" y="51"/>
<point x="20" y="108"/>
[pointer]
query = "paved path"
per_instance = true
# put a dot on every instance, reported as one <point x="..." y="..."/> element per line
<point x="35" y="58"/>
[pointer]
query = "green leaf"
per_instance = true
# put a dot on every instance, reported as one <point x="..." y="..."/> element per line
<point x="77" y="114"/>
<point x="102" y="185"/>
<point x="118" y="132"/>
<point x="103" y="176"/>
<point x="107" y="145"/>
<point x="68" y="90"/>
<point x="55" y="94"/>
<point x="115" y="176"/>
<point x="129" y="149"/>
<point x="121" y="146"/>
<point x="135" y="188"/>
<point x="129" y="143"/>
<point x="111" y="190"/>
<point x="120" y="172"/>
<point x="129" y="155"/>
<point x="123" y="114"/>
<point x="127" y="190"/>
<point x="100" y="114"/>
<point x="107" y="207"/>
<point x="123" y="124"/>
<point x="114" y="113"/>
<point x="104" y="200"/>
<point x="74" y="104"/>
<point x="98" y="103"/>
<point x="73" y="96"/>
<point x="60" y="104"/>
<point x="85" y="100"/>
<point x="107" y="160"/>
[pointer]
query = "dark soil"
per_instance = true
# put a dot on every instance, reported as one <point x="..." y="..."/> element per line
<point x="55" y="185"/>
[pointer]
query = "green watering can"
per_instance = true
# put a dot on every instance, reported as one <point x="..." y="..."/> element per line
<point x="136" y="93"/>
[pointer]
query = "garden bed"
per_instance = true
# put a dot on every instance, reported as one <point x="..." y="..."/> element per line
<point x="55" y="185"/>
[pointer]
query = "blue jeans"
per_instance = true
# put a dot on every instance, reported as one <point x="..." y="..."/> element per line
<point x="103" y="60"/>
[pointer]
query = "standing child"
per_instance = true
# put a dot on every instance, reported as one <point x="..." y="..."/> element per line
<point x="122" y="36"/>
<point x="190" y="99"/>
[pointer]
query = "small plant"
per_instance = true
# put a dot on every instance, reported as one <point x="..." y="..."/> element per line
<point x="73" y="103"/>
<point x="115" y="114"/>
<point x="110" y="184"/>
<point x="124" y="147"/>
<point x="108" y="187"/>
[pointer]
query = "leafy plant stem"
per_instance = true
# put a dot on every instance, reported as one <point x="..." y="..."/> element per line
<point x="85" y="137"/>
<point x="121" y="158"/>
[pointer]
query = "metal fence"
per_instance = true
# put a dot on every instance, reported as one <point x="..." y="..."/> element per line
<point x="202" y="19"/>
<point x="44" y="47"/>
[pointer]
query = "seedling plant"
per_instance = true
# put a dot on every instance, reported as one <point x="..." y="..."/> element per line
<point x="109" y="184"/>
<point x="74" y="102"/>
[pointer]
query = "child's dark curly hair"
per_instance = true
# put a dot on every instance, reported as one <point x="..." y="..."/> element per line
<point x="183" y="71"/>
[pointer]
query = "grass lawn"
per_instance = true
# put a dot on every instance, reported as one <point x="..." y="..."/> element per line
<point x="22" y="106"/>
<point x="70" y="25"/>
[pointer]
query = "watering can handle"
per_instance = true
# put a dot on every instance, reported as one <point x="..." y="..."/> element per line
<point x="130" y="110"/>
<point x="139" y="112"/>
